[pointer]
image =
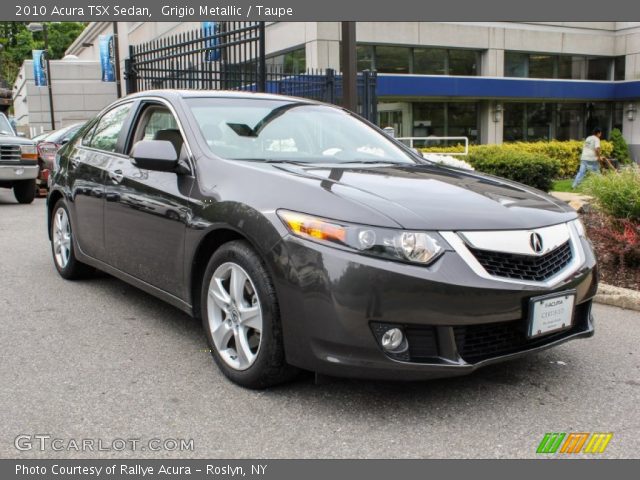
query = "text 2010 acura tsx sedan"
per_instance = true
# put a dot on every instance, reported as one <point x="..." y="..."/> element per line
<point x="306" y="238"/>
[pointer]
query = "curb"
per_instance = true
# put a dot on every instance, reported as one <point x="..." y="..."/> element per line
<point x="618" y="297"/>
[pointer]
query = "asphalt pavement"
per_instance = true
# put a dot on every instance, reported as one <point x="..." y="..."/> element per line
<point x="100" y="360"/>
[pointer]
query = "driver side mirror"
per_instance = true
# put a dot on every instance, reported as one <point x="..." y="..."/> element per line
<point x="157" y="155"/>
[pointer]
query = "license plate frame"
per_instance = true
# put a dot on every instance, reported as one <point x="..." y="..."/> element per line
<point x="544" y="317"/>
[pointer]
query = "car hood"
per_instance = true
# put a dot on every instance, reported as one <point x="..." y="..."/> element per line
<point x="438" y="198"/>
<point x="13" y="140"/>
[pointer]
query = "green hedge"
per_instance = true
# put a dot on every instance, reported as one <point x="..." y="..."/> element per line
<point x="617" y="193"/>
<point x="566" y="153"/>
<point x="532" y="169"/>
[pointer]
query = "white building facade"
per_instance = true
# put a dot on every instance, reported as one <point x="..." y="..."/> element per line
<point x="489" y="81"/>
<point x="77" y="90"/>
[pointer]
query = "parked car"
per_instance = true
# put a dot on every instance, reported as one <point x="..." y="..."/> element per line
<point x="309" y="239"/>
<point x="18" y="163"/>
<point x="48" y="145"/>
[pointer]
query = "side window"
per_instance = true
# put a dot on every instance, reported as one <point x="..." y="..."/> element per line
<point x="159" y="119"/>
<point x="156" y="122"/>
<point x="105" y="134"/>
<point x="86" y="138"/>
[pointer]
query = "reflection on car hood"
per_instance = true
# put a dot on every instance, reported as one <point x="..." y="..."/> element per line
<point x="440" y="198"/>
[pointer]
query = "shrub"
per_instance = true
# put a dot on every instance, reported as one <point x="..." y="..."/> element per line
<point x="617" y="193"/>
<point x="567" y="153"/>
<point x="532" y="169"/>
<point x="620" y="149"/>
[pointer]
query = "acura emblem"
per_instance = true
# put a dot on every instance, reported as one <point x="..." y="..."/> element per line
<point x="535" y="240"/>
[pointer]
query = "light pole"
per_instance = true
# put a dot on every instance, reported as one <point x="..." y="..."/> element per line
<point x="42" y="27"/>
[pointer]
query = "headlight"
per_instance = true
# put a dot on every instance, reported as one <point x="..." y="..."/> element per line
<point x="28" y="152"/>
<point x="407" y="246"/>
<point x="579" y="227"/>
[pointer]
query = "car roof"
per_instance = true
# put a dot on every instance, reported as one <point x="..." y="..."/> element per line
<point x="174" y="93"/>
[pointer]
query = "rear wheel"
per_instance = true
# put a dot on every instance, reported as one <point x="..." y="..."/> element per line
<point x="62" y="246"/>
<point x="241" y="318"/>
<point x="24" y="191"/>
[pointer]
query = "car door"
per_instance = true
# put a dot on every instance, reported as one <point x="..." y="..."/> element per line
<point x="146" y="211"/>
<point x="88" y="160"/>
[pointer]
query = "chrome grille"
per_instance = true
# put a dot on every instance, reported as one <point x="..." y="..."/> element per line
<point x="524" y="267"/>
<point x="10" y="152"/>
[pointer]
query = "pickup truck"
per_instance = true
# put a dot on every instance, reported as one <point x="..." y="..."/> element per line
<point x="18" y="163"/>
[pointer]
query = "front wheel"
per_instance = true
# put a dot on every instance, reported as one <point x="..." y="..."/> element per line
<point x="24" y="191"/>
<point x="241" y="318"/>
<point x="62" y="246"/>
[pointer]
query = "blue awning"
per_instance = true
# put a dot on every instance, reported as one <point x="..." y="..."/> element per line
<point x="505" y="88"/>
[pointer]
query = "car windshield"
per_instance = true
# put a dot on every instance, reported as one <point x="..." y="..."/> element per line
<point x="5" y="126"/>
<point x="284" y="130"/>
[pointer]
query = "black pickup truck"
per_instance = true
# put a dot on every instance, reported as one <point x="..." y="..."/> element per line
<point x="18" y="163"/>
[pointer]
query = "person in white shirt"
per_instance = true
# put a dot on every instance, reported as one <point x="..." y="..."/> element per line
<point x="590" y="158"/>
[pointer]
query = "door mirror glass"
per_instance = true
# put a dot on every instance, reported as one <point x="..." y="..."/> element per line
<point x="158" y="155"/>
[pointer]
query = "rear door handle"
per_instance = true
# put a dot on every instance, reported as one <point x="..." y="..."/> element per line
<point x="116" y="176"/>
<point x="75" y="161"/>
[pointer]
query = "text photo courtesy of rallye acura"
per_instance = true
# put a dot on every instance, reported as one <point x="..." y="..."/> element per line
<point x="307" y="238"/>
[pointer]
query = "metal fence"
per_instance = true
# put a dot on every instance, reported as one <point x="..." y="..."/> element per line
<point x="231" y="56"/>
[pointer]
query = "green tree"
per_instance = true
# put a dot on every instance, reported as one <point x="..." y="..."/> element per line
<point x="18" y="42"/>
<point x="620" y="147"/>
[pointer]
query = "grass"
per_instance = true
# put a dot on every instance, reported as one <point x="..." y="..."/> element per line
<point x="564" y="186"/>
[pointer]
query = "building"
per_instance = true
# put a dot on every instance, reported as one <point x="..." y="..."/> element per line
<point x="77" y="91"/>
<point x="488" y="81"/>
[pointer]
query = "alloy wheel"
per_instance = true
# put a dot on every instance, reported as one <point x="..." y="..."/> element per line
<point x="235" y="316"/>
<point x="61" y="238"/>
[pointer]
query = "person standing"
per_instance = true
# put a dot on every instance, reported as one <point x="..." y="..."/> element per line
<point x="590" y="158"/>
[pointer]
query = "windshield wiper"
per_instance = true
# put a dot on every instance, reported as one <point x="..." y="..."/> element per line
<point x="377" y="162"/>
<point x="272" y="160"/>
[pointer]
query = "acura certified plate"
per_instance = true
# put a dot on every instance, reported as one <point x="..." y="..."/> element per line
<point x="550" y="313"/>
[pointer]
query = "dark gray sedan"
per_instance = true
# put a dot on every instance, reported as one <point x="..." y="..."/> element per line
<point x="306" y="238"/>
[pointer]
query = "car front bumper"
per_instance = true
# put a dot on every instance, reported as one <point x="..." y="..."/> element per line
<point x="335" y="305"/>
<point x="18" y="171"/>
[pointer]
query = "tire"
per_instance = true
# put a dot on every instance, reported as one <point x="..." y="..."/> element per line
<point x="62" y="245"/>
<point x="24" y="191"/>
<point x="261" y="363"/>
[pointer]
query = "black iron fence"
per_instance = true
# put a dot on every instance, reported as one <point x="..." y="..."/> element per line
<point x="231" y="56"/>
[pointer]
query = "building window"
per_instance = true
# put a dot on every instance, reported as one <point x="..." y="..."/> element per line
<point x="463" y="62"/>
<point x="561" y="121"/>
<point x="570" y="123"/>
<point x="392" y="59"/>
<point x="539" y="121"/>
<point x="575" y="67"/>
<point x="571" y="67"/>
<point x="446" y="119"/>
<point x="419" y="60"/>
<point x="516" y="64"/>
<point x="462" y="120"/>
<point x="542" y="66"/>
<point x="527" y="121"/>
<point x="430" y="61"/>
<point x="599" y="68"/>
<point x="619" y="68"/>
<point x="292" y="62"/>
<point x="618" y="115"/>
<point x="364" y="55"/>
<point x="598" y="114"/>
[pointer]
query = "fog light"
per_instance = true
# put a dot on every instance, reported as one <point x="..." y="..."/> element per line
<point x="392" y="339"/>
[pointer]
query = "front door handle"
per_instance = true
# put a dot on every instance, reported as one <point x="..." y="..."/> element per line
<point x="116" y="176"/>
<point x="75" y="161"/>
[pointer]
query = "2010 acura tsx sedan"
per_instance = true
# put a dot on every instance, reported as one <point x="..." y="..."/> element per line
<point x="306" y="238"/>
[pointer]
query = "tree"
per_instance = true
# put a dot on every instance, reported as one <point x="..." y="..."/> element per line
<point x="620" y="147"/>
<point x="18" y="42"/>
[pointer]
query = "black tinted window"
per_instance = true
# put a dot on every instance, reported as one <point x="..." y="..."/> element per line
<point x="105" y="134"/>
